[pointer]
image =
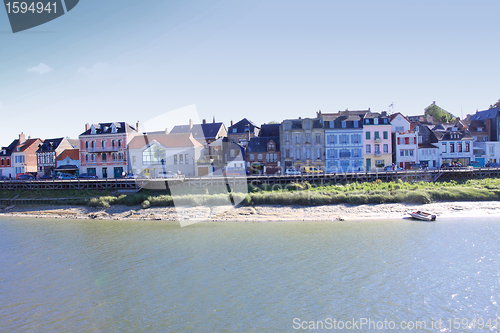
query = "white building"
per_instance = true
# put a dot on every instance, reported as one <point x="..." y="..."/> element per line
<point x="152" y="153"/>
<point x="406" y="149"/>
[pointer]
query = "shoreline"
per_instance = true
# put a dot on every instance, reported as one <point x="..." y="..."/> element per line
<point x="264" y="213"/>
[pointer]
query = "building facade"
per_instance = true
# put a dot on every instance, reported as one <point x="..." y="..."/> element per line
<point x="302" y="143"/>
<point x="103" y="149"/>
<point x="344" y="141"/>
<point x="47" y="153"/>
<point x="24" y="157"/>
<point x="242" y="132"/>
<point x="455" y="146"/>
<point x="157" y="152"/>
<point x="377" y="141"/>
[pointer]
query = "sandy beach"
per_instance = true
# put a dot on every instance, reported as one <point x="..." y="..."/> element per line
<point x="339" y="212"/>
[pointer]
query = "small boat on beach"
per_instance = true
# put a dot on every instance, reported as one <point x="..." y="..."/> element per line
<point x="423" y="216"/>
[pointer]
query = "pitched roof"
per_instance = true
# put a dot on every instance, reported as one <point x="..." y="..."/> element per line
<point x="73" y="154"/>
<point x="259" y="144"/>
<point x="200" y="131"/>
<point x="241" y="126"/>
<point x="10" y="148"/>
<point x="426" y="145"/>
<point x="269" y="130"/>
<point x="166" y="140"/>
<point x="486" y="114"/>
<point x="446" y="135"/>
<point x="28" y="144"/>
<point x="74" y="142"/>
<point x="49" y="145"/>
<point x="106" y="128"/>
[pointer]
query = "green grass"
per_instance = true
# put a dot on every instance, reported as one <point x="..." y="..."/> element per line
<point x="304" y="194"/>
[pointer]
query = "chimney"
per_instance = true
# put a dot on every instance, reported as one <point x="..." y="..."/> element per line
<point x="87" y="127"/>
<point x="384" y="113"/>
<point x="214" y="120"/>
<point x="204" y="121"/>
<point x="22" y="138"/>
<point x="166" y="130"/>
<point x="138" y="126"/>
<point x="231" y="122"/>
<point x="190" y="123"/>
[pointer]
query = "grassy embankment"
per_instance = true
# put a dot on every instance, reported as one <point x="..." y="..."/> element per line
<point x="292" y="194"/>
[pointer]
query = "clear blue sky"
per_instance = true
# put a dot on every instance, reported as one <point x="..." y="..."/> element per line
<point x="110" y="60"/>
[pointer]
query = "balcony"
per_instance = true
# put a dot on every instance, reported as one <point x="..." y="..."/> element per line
<point x="344" y="155"/>
<point x="377" y="140"/>
<point x="97" y="150"/>
<point x="377" y="153"/>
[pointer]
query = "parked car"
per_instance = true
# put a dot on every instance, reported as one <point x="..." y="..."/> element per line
<point x="4" y="178"/>
<point x="26" y="176"/>
<point x="130" y="176"/>
<point x="492" y="165"/>
<point x="292" y="172"/>
<point x="87" y="176"/>
<point x="65" y="176"/>
<point x="312" y="169"/>
<point x="47" y="177"/>
<point x="170" y="175"/>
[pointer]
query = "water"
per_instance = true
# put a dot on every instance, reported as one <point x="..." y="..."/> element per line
<point x="115" y="276"/>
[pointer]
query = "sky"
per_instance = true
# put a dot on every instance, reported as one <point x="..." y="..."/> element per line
<point x="123" y="60"/>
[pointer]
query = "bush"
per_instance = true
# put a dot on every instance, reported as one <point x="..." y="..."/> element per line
<point x="145" y="204"/>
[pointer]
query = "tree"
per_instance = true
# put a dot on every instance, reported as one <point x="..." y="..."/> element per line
<point x="439" y="114"/>
<point x="496" y="105"/>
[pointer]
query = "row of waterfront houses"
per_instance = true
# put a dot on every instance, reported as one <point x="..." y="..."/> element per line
<point x="360" y="140"/>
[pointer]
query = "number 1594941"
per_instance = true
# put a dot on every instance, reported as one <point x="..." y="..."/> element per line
<point x="33" y="7"/>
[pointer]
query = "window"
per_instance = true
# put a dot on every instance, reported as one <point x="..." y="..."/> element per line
<point x="375" y="121"/>
<point x="444" y="147"/>
<point x="181" y="159"/>
<point x="252" y="157"/>
<point x="318" y="138"/>
<point x="467" y="147"/>
<point x="308" y="138"/>
<point x="356" y="124"/>
<point x="343" y="138"/>
<point x="402" y="153"/>
<point x="400" y="128"/>
<point x="331" y="139"/>
<point x="379" y="163"/>
<point x="103" y="144"/>
<point x="259" y="157"/>
<point x="407" y="141"/>
<point x="452" y="147"/>
<point x="368" y="149"/>
<point x="287" y="153"/>
<point x="287" y="137"/>
<point x="155" y="155"/>
<point x="134" y="160"/>
<point x="175" y="159"/>
<point x="186" y="160"/>
<point x="377" y="149"/>
<point x="86" y="145"/>
<point x="234" y="130"/>
<point x="411" y="152"/>
<point x="297" y="138"/>
<point x="386" y="148"/>
<point x="307" y="125"/>
<point x="459" y="147"/>
<point x="232" y="153"/>
<point x="377" y="135"/>
<point x="297" y="154"/>
<point x="399" y="141"/>
<point x="308" y="153"/>
<point x="119" y="143"/>
<point x="367" y="121"/>
<point x="318" y="153"/>
<point x="386" y="135"/>
<point x="104" y="157"/>
<point x="355" y="138"/>
<point x="367" y="135"/>
<point x="356" y="152"/>
<point x="344" y="124"/>
<point x="287" y="127"/>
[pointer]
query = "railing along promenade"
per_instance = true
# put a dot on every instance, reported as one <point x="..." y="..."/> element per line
<point x="329" y="178"/>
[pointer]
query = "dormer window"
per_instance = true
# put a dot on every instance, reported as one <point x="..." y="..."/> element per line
<point x="307" y="125"/>
<point x="113" y="128"/>
<point x="92" y="129"/>
<point x="271" y="145"/>
<point x="234" y="130"/>
<point x="367" y="121"/>
<point x="375" y="121"/>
